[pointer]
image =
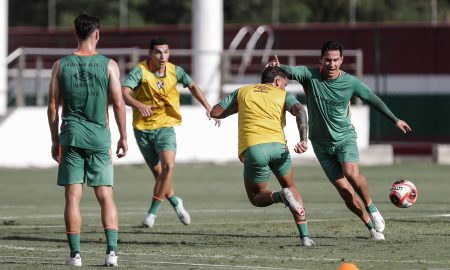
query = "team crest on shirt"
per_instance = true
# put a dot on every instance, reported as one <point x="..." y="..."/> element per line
<point x="160" y="84"/>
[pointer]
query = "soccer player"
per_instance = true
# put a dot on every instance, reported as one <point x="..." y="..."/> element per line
<point x="82" y="83"/>
<point x="262" y="144"/>
<point x="328" y="91"/>
<point x="150" y="88"/>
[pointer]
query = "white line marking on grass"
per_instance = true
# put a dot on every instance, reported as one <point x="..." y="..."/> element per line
<point x="441" y="215"/>
<point x="228" y="266"/>
<point x="148" y="264"/>
<point x="254" y="257"/>
<point x="60" y="216"/>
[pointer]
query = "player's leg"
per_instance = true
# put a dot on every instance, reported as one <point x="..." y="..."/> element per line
<point x="165" y="145"/>
<point x="257" y="193"/>
<point x="110" y="221"/>
<point x="359" y="183"/>
<point x="256" y="175"/>
<point x="331" y="165"/>
<point x="100" y="176"/>
<point x="292" y="199"/>
<point x="72" y="218"/>
<point x="257" y="172"/>
<point x="71" y="176"/>
<point x="146" y="142"/>
<point x="348" y="156"/>
<point x="282" y="168"/>
<point x="351" y="198"/>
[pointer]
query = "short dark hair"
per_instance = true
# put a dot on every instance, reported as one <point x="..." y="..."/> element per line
<point x="157" y="41"/>
<point x="331" y="45"/>
<point x="269" y="74"/>
<point x="85" y="25"/>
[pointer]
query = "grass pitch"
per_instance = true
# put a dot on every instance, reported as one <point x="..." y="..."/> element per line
<point x="227" y="232"/>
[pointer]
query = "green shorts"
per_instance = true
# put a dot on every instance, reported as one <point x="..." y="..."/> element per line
<point x="152" y="142"/>
<point x="79" y="165"/>
<point x="260" y="159"/>
<point x="331" y="157"/>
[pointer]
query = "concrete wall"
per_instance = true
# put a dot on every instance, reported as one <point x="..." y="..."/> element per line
<point x="25" y="138"/>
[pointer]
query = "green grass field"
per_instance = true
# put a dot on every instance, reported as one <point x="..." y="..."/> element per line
<point x="227" y="232"/>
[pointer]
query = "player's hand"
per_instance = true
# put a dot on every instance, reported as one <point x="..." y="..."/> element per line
<point x="403" y="126"/>
<point x="273" y="61"/>
<point x="55" y="152"/>
<point x="122" y="148"/>
<point x="301" y="147"/>
<point x="147" y="110"/>
<point x="217" y="121"/>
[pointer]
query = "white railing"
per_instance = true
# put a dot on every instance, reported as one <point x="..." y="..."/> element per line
<point x="29" y="68"/>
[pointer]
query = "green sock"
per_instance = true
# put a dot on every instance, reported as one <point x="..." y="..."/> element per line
<point x="111" y="239"/>
<point x="74" y="243"/>
<point x="155" y="206"/>
<point x="371" y="208"/>
<point x="369" y="225"/>
<point x="173" y="200"/>
<point x="276" y="197"/>
<point x="303" y="229"/>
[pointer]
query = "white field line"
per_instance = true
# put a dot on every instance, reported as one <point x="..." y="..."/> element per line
<point x="96" y="212"/>
<point x="169" y="224"/>
<point x="141" y="264"/>
<point x="149" y="255"/>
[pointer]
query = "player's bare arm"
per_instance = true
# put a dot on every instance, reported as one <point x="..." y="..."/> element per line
<point x="54" y="98"/>
<point x="220" y="113"/>
<point x="118" y="107"/>
<point x="198" y="94"/>
<point x="298" y="110"/>
<point x="145" y="110"/>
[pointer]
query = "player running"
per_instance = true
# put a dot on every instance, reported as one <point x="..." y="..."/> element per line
<point x="328" y="91"/>
<point x="262" y="144"/>
<point x="150" y="88"/>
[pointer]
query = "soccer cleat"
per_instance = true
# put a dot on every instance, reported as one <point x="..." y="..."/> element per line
<point x="111" y="259"/>
<point x="306" y="241"/>
<point x="183" y="215"/>
<point x="378" y="221"/>
<point x="375" y="235"/>
<point x="291" y="202"/>
<point x="149" y="220"/>
<point x="75" y="261"/>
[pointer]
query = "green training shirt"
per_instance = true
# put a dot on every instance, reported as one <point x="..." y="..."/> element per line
<point x="328" y="103"/>
<point x="84" y="85"/>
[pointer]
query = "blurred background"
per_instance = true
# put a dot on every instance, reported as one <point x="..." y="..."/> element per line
<point x="398" y="47"/>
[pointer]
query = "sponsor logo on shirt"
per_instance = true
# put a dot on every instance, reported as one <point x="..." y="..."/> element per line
<point x="261" y="89"/>
<point x="83" y="76"/>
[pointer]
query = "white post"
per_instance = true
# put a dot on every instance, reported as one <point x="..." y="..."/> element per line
<point x="207" y="38"/>
<point x="3" y="54"/>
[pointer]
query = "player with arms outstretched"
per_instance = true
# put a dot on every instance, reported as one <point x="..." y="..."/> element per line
<point x="328" y="91"/>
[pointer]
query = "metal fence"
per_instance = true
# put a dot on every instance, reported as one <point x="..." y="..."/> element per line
<point x="29" y="69"/>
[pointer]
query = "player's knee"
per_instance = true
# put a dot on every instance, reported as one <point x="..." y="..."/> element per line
<point x="352" y="175"/>
<point x="167" y="167"/>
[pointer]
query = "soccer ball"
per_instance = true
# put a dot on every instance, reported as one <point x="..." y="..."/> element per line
<point x="403" y="193"/>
